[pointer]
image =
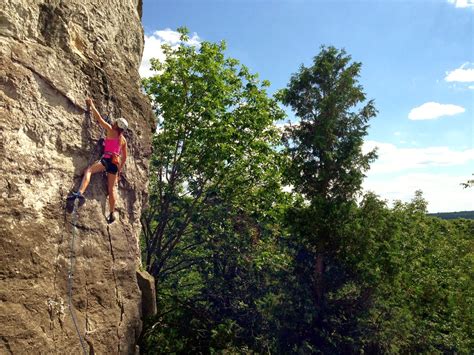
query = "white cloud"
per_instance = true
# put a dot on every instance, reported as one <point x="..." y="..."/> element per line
<point x="399" y="172"/>
<point x="464" y="74"/>
<point x="173" y="37"/>
<point x="442" y="191"/>
<point x="462" y="3"/>
<point x="432" y="110"/>
<point x="393" y="159"/>
<point x="153" y="49"/>
<point x="282" y="126"/>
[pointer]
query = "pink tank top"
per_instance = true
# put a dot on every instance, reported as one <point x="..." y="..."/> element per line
<point x="111" y="146"/>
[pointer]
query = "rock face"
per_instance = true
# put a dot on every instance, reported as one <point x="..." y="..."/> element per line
<point x="146" y="282"/>
<point x="53" y="54"/>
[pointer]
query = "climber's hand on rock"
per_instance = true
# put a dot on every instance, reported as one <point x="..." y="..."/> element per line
<point x="89" y="102"/>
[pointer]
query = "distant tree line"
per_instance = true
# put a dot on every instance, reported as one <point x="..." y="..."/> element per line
<point x="454" y="215"/>
<point x="255" y="235"/>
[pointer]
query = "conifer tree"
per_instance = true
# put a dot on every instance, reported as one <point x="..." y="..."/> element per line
<point x="327" y="161"/>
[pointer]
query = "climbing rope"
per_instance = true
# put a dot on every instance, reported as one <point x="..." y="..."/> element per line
<point x="72" y="261"/>
<point x="72" y="257"/>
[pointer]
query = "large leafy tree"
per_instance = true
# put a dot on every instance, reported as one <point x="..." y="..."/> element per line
<point x="327" y="163"/>
<point x="214" y="142"/>
<point x="214" y="197"/>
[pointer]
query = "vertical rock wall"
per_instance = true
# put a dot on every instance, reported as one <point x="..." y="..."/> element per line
<point x="52" y="55"/>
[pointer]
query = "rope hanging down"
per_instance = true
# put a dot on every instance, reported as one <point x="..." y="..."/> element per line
<point x="72" y="260"/>
<point x="72" y="257"/>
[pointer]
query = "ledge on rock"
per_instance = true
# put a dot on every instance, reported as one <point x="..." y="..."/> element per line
<point x="146" y="282"/>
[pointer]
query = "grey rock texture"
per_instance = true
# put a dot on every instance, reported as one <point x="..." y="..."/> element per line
<point x="53" y="54"/>
<point x="146" y="282"/>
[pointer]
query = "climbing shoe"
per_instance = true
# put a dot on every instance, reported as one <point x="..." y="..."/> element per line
<point x="111" y="218"/>
<point x="75" y="195"/>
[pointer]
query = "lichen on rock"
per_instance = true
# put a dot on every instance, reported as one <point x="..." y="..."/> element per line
<point x="53" y="55"/>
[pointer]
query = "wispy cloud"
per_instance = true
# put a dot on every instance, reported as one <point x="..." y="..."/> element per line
<point x="173" y="37"/>
<point x="464" y="74"/>
<point x="432" y="110"/>
<point x="393" y="159"/>
<point x="153" y="49"/>
<point x="442" y="191"/>
<point x="462" y="3"/>
<point x="399" y="172"/>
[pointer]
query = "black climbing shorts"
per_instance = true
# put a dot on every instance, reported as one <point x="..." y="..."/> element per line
<point x="109" y="166"/>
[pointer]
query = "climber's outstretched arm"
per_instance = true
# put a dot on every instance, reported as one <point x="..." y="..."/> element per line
<point x="97" y="115"/>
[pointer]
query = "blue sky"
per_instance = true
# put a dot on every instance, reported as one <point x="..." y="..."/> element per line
<point x="418" y="66"/>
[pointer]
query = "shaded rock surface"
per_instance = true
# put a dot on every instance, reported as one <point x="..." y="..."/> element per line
<point x="53" y="54"/>
<point x="146" y="282"/>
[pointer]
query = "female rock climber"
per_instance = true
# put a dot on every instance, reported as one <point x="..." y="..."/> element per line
<point x="112" y="161"/>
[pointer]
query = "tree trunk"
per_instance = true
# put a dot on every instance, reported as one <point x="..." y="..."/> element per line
<point x="319" y="279"/>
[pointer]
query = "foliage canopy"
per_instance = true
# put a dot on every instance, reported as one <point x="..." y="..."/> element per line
<point x="241" y="266"/>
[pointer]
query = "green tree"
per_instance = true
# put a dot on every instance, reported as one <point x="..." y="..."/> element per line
<point x="215" y="139"/>
<point x="416" y="271"/>
<point x="214" y="202"/>
<point x="214" y="196"/>
<point x="327" y="163"/>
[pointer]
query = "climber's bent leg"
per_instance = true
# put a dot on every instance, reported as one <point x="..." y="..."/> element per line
<point x="111" y="185"/>
<point x="97" y="167"/>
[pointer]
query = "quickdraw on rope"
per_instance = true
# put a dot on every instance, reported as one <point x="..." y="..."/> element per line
<point x="70" y="278"/>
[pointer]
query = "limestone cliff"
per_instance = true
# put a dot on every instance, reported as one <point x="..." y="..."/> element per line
<point x="53" y="55"/>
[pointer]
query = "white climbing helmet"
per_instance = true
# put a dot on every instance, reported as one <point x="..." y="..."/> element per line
<point x="121" y="123"/>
